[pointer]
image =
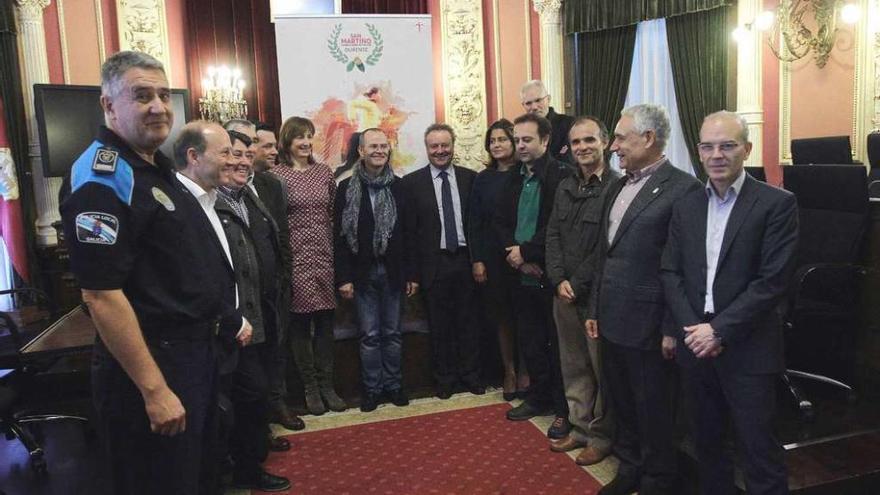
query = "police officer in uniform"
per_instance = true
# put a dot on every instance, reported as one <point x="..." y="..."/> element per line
<point x="156" y="283"/>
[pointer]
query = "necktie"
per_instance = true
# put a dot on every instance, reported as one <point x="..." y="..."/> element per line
<point x="448" y="213"/>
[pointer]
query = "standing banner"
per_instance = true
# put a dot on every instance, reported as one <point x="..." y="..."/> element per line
<point x="347" y="73"/>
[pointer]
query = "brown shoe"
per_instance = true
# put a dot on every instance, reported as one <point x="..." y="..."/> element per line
<point x="282" y="416"/>
<point x="589" y="456"/>
<point x="566" y="444"/>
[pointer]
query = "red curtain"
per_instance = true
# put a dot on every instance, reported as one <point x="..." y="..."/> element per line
<point x="235" y="33"/>
<point x="385" y="6"/>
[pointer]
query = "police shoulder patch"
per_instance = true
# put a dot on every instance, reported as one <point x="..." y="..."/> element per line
<point x="95" y="227"/>
<point x="105" y="161"/>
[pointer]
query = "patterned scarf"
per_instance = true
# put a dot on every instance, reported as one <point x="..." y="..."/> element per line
<point x="235" y="199"/>
<point x="384" y="210"/>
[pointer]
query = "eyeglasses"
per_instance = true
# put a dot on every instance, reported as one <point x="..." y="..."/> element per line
<point x="725" y="147"/>
<point x="532" y="102"/>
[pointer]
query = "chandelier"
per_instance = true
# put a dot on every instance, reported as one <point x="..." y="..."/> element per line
<point x="223" y="98"/>
<point x="792" y="37"/>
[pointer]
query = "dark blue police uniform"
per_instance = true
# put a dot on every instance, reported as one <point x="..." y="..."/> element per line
<point x="133" y="226"/>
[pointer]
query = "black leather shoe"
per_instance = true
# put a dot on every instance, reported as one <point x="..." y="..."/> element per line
<point x="444" y="391"/>
<point x="264" y="482"/>
<point x="559" y="429"/>
<point x="398" y="397"/>
<point x="526" y="411"/>
<point x="620" y="485"/>
<point x="370" y="402"/>
<point x="279" y="444"/>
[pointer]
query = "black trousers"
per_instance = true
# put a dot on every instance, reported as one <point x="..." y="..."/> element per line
<point x="536" y="331"/>
<point x="249" y="393"/>
<point x="641" y="386"/>
<point x="143" y="462"/>
<point x="714" y="399"/>
<point x="452" y="317"/>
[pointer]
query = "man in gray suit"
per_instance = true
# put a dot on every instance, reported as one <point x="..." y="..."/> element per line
<point x="628" y="309"/>
<point x="726" y="271"/>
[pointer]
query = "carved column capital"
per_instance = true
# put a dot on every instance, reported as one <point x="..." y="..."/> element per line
<point x="32" y="9"/>
<point x="552" y="71"/>
<point x="548" y="9"/>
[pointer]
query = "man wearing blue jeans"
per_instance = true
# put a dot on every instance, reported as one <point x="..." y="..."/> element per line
<point x="372" y="265"/>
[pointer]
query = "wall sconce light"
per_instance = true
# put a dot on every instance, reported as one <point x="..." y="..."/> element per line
<point x="789" y="36"/>
<point x="223" y="98"/>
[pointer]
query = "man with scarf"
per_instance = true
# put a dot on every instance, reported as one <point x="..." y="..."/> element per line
<point x="373" y="265"/>
<point x="256" y="252"/>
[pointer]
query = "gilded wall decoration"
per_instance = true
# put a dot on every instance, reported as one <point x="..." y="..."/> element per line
<point x="143" y="28"/>
<point x="464" y="74"/>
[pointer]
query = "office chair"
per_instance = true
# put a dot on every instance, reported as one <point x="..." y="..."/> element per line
<point x="14" y="424"/>
<point x="833" y="215"/>
<point x="832" y="150"/>
<point x="874" y="189"/>
<point x="757" y="173"/>
<point x="874" y="150"/>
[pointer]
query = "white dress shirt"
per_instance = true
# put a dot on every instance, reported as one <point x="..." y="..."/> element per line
<point x="207" y="200"/>
<point x="456" y="203"/>
<point x="716" y="224"/>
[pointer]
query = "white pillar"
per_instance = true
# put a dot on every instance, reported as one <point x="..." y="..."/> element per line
<point x="552" y="70"/>
<point x="749" y="100"/>
<point x="35" y="69"/>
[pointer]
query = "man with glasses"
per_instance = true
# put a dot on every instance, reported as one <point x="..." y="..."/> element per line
<point x="535" y="100"/>
<point x="726" y="268"/>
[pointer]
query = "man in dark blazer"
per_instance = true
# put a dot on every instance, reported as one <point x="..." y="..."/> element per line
<point x="629" y="304"/>
<point x="437" y="200"/>
<point x="536" y="100"/>
<point x="372" y="265"/>
<point x="726" y="269"/>
<point x="273" y="195"/>
<point x="522" y="213"/>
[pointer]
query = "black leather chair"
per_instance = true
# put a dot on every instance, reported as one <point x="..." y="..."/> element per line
<point x="14" y="422"/>
<point x="757" y="173"/>
<point x="874" y="150"/>
<point x="823" y="311"/>
<point x="831" y="150"/>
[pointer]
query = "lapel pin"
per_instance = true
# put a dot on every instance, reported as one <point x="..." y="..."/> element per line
<point x="655" y="190"/>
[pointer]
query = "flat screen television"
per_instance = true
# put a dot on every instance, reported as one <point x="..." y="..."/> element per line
<point x="68" y="117"/>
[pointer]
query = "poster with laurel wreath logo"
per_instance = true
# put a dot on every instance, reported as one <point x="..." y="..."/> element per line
<point x="353" y="72"/>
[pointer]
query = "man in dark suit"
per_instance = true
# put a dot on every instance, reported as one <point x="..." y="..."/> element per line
<point x="273" y="195"/>
<point x="632" y="315"/>
<point x="726" y="269"/>
<point x="373" y="265"/>
<point x="437" y="200"/>
<point x="522" y="214"/>
<point x="536" y="100"/>
<point x="265" y="147"/>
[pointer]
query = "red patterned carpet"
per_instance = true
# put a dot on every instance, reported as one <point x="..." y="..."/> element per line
<point x="469" y="451"/>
